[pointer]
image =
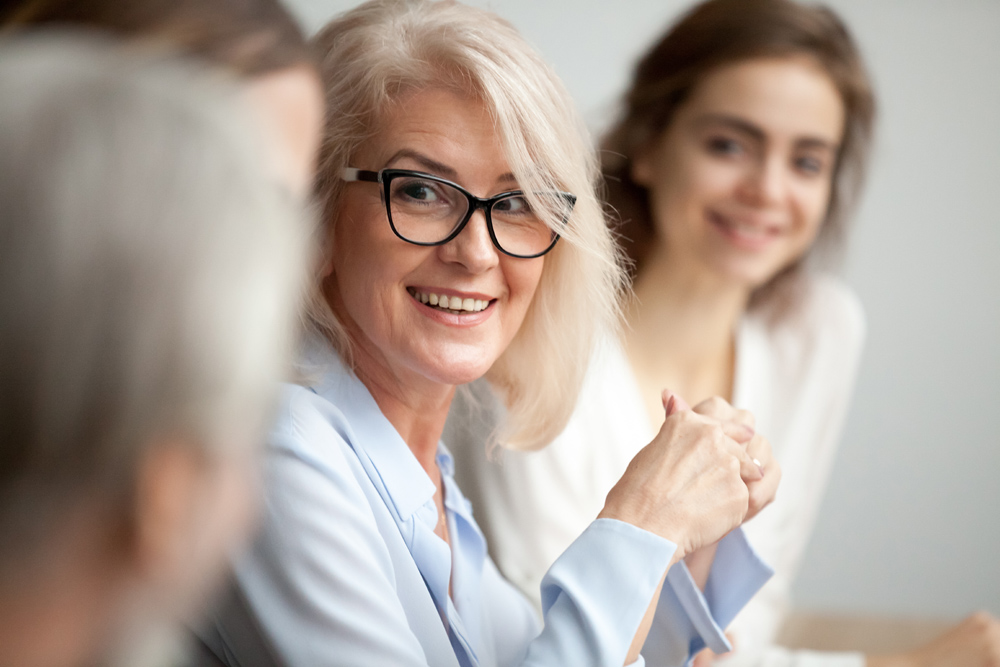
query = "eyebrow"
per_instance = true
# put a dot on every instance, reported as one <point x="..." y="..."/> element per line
<point x="757" y="133"/>
<point x="436" y="168"/>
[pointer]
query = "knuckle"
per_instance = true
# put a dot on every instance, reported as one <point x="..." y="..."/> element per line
<point x="745" y="417"/>
<point x="733" y="467"/>
<point x="684" y="416"/>
<point x="716" y="403"/>
<point x="716" y="432"/>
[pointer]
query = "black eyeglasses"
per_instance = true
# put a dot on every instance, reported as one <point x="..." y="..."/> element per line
<point x="428" y="210"/>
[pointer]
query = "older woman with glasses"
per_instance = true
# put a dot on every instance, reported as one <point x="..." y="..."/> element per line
<point x="464" y="239"/>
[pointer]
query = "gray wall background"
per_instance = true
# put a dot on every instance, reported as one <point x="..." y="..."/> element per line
<point x="911" y="522"/>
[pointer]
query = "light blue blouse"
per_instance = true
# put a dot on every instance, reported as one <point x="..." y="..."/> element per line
<point x="347" y="569"/>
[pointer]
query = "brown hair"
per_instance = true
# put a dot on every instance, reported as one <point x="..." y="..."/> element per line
<point x="251" y="37"/>
<point x="721" y="32"/>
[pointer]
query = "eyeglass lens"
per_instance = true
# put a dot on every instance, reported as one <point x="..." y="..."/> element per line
<point x="428" y="211"/>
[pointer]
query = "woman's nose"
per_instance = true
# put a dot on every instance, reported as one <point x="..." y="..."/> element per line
<point x="472" y="248"/>
<point x="766" y="182"/>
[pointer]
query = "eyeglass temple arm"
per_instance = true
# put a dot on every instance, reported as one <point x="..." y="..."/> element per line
<point x="351" y="174"/>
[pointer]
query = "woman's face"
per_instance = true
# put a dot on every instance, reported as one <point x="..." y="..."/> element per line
<point x="376" y="280"/>
<point x="739" y="182"/>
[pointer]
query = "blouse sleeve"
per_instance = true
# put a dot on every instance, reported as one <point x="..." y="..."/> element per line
<point x="323" y="588"/>
<point x="688" y="620"/>
<point x="813" y="357"/>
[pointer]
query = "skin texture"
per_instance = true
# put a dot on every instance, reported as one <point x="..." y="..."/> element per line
<point x="739" y="183"/>
<point x="409" y="354"/>
<point x="289" y="104"/>
<point x="740" y="180"/>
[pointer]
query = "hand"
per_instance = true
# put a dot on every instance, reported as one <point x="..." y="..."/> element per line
<point x="687" y="485"/>
<point x="975" y="642"/>
<point x="762" y="491"/>
<point x="706" y="656"/>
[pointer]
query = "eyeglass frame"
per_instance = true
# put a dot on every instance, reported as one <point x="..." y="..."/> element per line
<point x="384" y="177"/>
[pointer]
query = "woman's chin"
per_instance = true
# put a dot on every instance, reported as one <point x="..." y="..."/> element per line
<point x="747" y="273"/>
<point x="454" y="368"/>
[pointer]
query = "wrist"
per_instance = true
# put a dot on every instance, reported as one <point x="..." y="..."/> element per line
<point x="661" y="529"/>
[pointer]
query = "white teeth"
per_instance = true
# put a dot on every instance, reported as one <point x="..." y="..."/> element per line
<point x="746" y="228"/>
<point x="454" y="303"/>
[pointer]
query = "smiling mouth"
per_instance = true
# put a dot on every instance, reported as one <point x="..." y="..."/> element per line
<point x="744" y="230"/>
<point x="453" y="304"/>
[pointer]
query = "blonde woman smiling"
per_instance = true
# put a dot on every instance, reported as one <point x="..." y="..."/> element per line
<point x="464" y="239"/>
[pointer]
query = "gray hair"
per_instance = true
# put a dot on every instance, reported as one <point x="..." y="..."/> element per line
<point x="369" y="58"/>
<point x="150" y="270"/>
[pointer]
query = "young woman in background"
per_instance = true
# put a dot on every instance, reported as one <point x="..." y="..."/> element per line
<point x="734" y="166"/>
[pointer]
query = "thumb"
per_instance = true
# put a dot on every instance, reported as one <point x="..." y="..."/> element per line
<point x="673" y="403"/>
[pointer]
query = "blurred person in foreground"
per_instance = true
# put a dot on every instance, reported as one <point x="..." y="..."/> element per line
<point x="464" y="238"/>
<point x="150" y="271"/>
<point x="734" y="167"/>
<point x="257" y="41"/>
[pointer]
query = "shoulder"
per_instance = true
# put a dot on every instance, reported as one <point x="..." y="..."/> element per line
<point x="309" y="450"/>
<point x="830" y="304"/>
<point x="826" y="316"/>
<point x="303" y="415"/>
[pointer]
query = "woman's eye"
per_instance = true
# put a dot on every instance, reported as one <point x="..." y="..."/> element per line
<point x="513" y="205"/>
<point x="419" y="191"/>
<point x="724" y="146"/>
<point x="810" y="165"/>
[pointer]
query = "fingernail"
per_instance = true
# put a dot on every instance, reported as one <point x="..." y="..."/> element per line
<point x="759" y="466"/>
<point x="669" y="407"/>
<point x="749" y="431"/>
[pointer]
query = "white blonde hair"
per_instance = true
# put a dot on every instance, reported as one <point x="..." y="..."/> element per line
<point x="150" y="271"/>
<point x="373" y="55"/>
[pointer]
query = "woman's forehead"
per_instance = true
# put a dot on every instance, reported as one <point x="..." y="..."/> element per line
<point x="792" y="96"/>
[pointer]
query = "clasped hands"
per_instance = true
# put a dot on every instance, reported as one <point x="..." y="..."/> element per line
<point x="705" y="473"/>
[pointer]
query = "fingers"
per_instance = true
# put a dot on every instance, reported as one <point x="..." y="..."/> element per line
<point x="762" y="492"/>
<point x="741" y="433"/>
<point x="673" y="403"/>
<point x="738" y="424"/>
<point x="749" y="470"/>
<point x="720" y="409"/>
<point x="759" y="449"/>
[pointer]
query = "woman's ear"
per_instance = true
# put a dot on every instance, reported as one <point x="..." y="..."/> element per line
<point x="166" y="502"/>
<point x="641" y="167"/>
<point x="192" y="508"/>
